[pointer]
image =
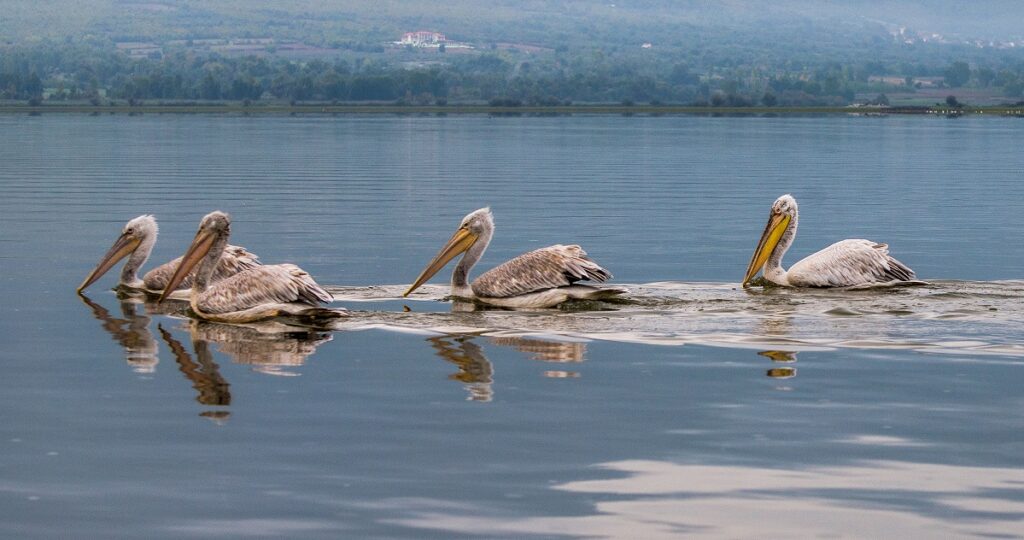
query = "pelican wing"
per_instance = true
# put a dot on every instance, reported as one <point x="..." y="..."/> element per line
<point x="848" y="263"/>
<point x="544" y="268"/>
<point x="262" y="285"/>
<point x="234" y="260"/>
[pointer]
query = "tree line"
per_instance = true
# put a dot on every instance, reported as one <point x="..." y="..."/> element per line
<point x="75" y="72"/>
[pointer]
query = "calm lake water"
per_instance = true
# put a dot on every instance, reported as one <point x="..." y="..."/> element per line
<point x="695" y="408"/>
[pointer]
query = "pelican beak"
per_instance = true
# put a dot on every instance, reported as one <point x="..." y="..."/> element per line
<point x="459" y="242"/>
<point x="124" y="245"/>
<point x="200" y="247"/>
<point x="777" y="225"/>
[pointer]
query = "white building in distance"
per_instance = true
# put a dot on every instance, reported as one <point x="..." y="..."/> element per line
<point x="423" y="38"/>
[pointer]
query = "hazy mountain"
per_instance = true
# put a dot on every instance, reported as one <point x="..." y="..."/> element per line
<point x="544" y="22"/>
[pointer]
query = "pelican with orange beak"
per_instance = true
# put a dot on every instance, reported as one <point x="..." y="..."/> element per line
<point x="847" y="263"/>
<point x="136" y="243"/>
<point x="541" y="278"/>
<point x="255" y="294"/>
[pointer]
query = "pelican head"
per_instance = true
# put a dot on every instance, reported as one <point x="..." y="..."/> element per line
<point x="215" y="226"/>
<point x="137" y="232"/>
<point x="784" y="211"/>
<point x="475" y="225"/>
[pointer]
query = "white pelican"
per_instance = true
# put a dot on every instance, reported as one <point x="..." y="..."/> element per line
<point x="255" y="294"/>
<point x="846" y="263"/>
<point x="136" y="242"/>
<point x="541" y="278"/>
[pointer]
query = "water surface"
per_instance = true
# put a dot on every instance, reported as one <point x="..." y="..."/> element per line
<point x="695" y="407"/>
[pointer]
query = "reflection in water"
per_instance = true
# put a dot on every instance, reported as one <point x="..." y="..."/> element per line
<point x="268" y="347"/>
<point x="944" y="316"/>
<point x="783" y="357"/>
<point x="203" y="371"/>
<point x="780" y="356"/>
<point x="781" y="372"/>
<point x="547" y="351"/>
<point x="131" y="331"/>
<point x="543" y="350"/>
<point x="264" y="346"/>
<point x="657" y="499"/>
<point x="140" y="346"/>
<point x="462" y="306"/>
<point x="475" y="371"/>
<point x="775" y="326"/>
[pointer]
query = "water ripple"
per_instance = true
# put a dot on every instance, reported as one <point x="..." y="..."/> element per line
<point x="942" y="316"/>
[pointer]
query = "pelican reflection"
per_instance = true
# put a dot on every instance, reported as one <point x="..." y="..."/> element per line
<point x="544" y="350"/>
<point x="131" y="331"/>
<point x="775" y="325"/>
<point x="476" y="372"/>
<point x="780" y="359"/>
<point x="267" y="347"/>
<point x="203" y="372"/>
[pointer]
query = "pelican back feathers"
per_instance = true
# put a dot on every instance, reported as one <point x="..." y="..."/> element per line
<point x="848" y="263"/>
<point x="259" y="286"/>
<point x="545" y="268"/>
<point x="234" y="260"/>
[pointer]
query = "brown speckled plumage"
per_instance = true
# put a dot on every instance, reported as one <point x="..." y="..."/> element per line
<point x="544" y="268"/>
<point x="545" y="277"/>
<point x="254" y="294"/>
<point x="235" y="260"/>
<point x="262" y="285"/>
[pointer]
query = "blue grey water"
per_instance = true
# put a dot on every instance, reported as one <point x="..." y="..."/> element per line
<point x="696" y="408"/>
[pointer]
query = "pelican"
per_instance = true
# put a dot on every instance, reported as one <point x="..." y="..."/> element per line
<point x="136" y="242"/>
<point x="846" y="263"/>
<point x="541" y="278"/>
<point x="254" y="294"/>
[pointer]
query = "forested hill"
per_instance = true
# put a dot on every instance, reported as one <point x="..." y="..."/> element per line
<point x="740" y="24"/>
<point x="663" y="50"/>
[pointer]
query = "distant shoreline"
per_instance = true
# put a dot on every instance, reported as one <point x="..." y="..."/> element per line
<point x="275" y="109"/>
